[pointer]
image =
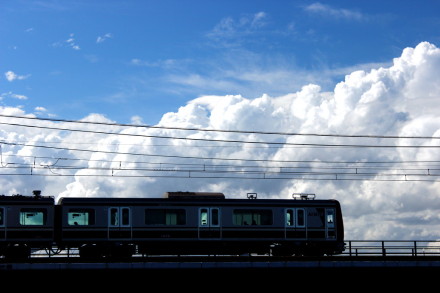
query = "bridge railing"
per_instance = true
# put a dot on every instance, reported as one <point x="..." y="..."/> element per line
<point x="392" y="248"/>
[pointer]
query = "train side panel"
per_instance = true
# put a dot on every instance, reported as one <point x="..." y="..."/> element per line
<point x="199" y="226"/>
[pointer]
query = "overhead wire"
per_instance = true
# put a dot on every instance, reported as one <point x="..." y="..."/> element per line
<point x="223" y="130"/>
<point x="332" y="172"/>
<point x="177" y="167"/>
<point x="223" y="140"/>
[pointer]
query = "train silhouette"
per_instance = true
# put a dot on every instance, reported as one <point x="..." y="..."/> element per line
<point x="178" y="223"/>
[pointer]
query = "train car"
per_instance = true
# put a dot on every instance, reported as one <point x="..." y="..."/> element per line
<point x="26" y="222"/>
<point x="200" y="223"/>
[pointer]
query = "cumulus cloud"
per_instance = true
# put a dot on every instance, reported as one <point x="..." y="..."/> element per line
<point x="389" y="192"/>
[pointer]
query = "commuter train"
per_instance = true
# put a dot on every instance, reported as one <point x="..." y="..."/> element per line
<point x="179" y="223"/>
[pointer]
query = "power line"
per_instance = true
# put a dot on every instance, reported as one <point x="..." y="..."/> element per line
<point x="186" y="167"/>
<point x="162" y="156"/>
<point x="262" y="176"/>
<point x="141" y="154"/>
<point x="350" y="164"/>
<point x="172" y="169"/>
<point x="358" y="171"/>
<point x="224" y="140"/>
<point x="223" y="130"/>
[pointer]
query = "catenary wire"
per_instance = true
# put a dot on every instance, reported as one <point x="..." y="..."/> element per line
<point x="223" y="130"/>
<point x="223" y="140"/>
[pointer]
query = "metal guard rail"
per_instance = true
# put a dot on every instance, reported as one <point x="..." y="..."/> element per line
<point x="392" y="248"/>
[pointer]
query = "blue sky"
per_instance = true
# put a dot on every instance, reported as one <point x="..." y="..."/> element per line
<point x="126" y="59"/>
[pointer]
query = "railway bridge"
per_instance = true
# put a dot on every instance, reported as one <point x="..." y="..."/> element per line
<point x="372" y="257"/>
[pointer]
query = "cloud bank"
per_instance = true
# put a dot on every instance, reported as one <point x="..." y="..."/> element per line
<point x="388" y="192"/>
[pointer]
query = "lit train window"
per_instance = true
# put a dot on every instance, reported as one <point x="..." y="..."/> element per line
<point x="81" y="217"/>
<point x="203" y="217"/>
<point x="165" y="217"/>
<point x="2" y="216"/>
<point x="31" y="217"/>
<point x="209" y="217"/>
<point x="330" y="218"/>
<point x="242" y="217"/>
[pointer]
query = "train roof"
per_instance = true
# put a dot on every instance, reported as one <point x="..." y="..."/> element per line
<point x="25" y="199"/>
<point x="191" y="198"/>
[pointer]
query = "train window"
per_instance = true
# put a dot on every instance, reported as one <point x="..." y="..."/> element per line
<point x="290" y="219"/>
<point x="114" y="217"/>
<point x="214" y="217"/>
<point x="30" y="217"/>
<point x="125" y="216"/>
<point x="300" y="218"/>
<point x="203" y="217"/>
<point x="330" y="214"/>
<point x="242" y="217"/>
<point x="119" y="217"/>
<point x="81" y="217"/>
<point x="165" y="217"/>
<point x="2" y="216"/>
<point x="209" y="217"/>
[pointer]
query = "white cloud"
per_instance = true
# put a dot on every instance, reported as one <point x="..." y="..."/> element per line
<point x="258" y="19"/>
<point x="11" y="76"/>
<point x="103" y="38"/>
<point x="70" y="43"/>
<point x="40" y="109"/>
<point x="340" y="13"/>
<point x="20" y="97"/>
<point x="248" y="73"/>
<point x="166" y="64"/>
<point x="394" y="100"/>
<point x="229" y="27"/>
<point x="136" y="120"/>
<point x="14" y="96"/>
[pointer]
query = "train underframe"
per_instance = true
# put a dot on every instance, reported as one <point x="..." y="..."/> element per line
<point x="128" y="249"/>
<point x="118" y="249"/>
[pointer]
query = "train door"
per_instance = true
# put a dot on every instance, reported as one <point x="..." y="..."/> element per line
<point x="119" y="223"/>
<point x="330" y="227"/>
<point x="209" y="223"/>
<point x="295" y="223"/>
